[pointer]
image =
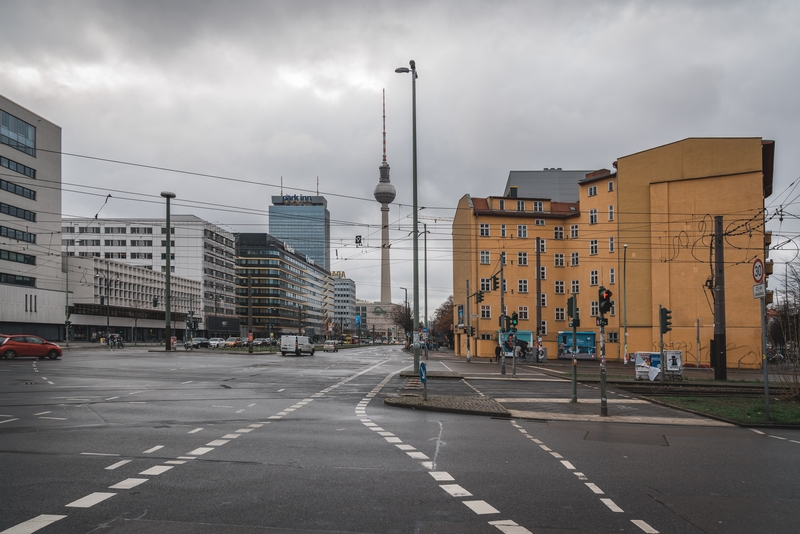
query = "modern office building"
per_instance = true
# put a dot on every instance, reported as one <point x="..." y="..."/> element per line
<point x="644" y="232"/>
<point x="278" y="290"/>
<point x="344" y="315"/>
<point x="199" y="251"/>
<point x="129" y="300"/>
<point x="377" y="322"/>
<point x="33" y="289"/>
<point x="303" y="222"/>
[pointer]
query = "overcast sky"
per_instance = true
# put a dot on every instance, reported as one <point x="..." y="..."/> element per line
<point x="253" y="93"/>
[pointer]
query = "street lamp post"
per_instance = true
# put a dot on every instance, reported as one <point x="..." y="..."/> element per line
<point x="405" y="310"/>
<point x="625" y="302"/>
<point x="413" y="71"/>
<point x="167" y="328"/>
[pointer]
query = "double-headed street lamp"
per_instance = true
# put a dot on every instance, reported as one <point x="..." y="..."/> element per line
<point x="168" y="327"/>
<point x="413" y="71"/>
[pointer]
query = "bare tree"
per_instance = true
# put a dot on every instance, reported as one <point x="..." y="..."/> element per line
<point x="401" y="316"/>
<point x="443" y="319"/>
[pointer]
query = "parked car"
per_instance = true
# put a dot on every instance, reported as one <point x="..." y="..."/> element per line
<point x="261" y="342"/>
<point x="196" y="343"/>
<point x="296" y="345"/>
<point x="216" y="342"/>
<point x="234" y="342"/>
<point x="13" y="346"/>
<point x="330" y="345"/>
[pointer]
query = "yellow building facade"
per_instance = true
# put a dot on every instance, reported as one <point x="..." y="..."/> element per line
<point x="644" y="232"/>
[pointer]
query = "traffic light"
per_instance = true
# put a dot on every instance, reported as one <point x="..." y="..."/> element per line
<point x="155" y="302"/>
<point x="514" y="320"/>
<point x="665" y="320"/>
<point x="495" y="282"/>
<point x="507" y="325"/>
<point x="194" y="324"/>
<point x="472" y="331"/>
<point x="605" y="300"/>
<point x="479" y="296"/>
<point x="571" y="307"/>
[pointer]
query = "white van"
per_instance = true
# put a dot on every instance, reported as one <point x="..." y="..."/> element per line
<point x="296" y="345"/>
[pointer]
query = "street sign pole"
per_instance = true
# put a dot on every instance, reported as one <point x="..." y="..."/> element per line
<point x="760" y="293"/>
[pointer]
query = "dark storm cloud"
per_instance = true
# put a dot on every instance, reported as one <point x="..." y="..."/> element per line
<point x="264" y="90"/>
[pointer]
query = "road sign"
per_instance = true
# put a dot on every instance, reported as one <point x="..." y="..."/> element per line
<point x="423" y="372"/>
<point x="759" y="291"/>
<point x="758" y="270"/>
<point x="602" y="322"/>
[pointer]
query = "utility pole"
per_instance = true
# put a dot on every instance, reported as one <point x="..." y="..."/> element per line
<point x="66" y="295"/>
<point x="538" y="298"/>
<point x="427" y="330"/>
<point x="720" y="341"/>
<point x="250" y="313"/>
<point x="502" y="315"/>
<point x="466" y="326"/>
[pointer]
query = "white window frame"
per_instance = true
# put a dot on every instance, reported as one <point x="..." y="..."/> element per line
<point x="520" y="205"/>
<point x="486" y="311"/>
<point x="522" y="231"/>
<point x="612" y="276"/>
<point x="573" y="231"/>
<point x="485" y="257"/>
<point x="522" y="285"/>
<point x="561" y="314"/>
<point x="558" y="232"/>
<point x="611" y="186"/>
<point x="611" y="212"/>
<point x="522" y="312"/>
<point x="594" y="308"/>
<point x="540" y="222"/>
<point x="559" y="287"/>
<point x="522" y="259"/>
<point x="574" y="259"/>
<point x="486" y="284"/>
<point x="485" y="230"/>
<point x="538" y="206"/>
<point x="594" y="278"/>
<point x="575" y="287"/>
<point x="502" y="230"/>
<point x="592" y="191"/>
<point x="593" y="216"/>
<point x="558" y="259"/>
<point x="593" y="247"/>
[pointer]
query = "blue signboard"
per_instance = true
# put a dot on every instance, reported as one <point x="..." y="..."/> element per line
<point x="586" y="345"/>
<point x="423" y="372"/>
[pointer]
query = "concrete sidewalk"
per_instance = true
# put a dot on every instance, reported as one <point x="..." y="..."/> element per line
<point x="539" y="391"/>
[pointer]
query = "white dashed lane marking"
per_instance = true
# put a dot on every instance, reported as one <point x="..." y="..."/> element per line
<point x="644" y="526"/>
<point x="118" y="464"/>
<point x="195" y="431"/>
<point x="200" y="451"/>
<point x="129" y="483"/>
<point x="441" y="476"/>
<point x="154" y="449"/>
<point x="611" y="505"/>
<point x="32" y="525"/>
<point x="507" y="526"/>
<point x="481" y="507"/>
<point x="455" y="490"/>
<point x="156" y="470"/>
<point x="90" y="500"/>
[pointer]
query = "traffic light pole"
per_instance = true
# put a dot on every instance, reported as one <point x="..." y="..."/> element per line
<point x="573" y="314"/>
<point x="466" y="326"/>
<point x="502" y="321"/>
<point x="662" y="324"/>
<point x="604" y="302"/>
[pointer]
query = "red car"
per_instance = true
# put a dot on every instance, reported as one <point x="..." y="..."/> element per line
<point x="13" y="345"/>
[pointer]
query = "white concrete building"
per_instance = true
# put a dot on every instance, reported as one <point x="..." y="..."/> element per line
<point x="32" y="285"/>
<point x="126" y="299"/>
<point x="199" y="251"/>
<point x="344" y="303"/>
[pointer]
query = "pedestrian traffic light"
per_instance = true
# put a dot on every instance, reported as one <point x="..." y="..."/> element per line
<point x="571" y="306"/>
<point x="665" y="320"/>
<point x="155" y="302"/>
<point x="495" y="282"/>
<point x="479" y="296"/>
<point x="605" y="300"/>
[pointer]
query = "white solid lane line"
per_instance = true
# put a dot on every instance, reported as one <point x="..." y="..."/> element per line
<point x="644" y="526"/>
<point x="118" y="464"/>
<point x="481" y="507"/>
<point x="32" y="525"/>
<point x="154" y="449"/>
<point x="611" y="505"/>
<point x="9" y="420"/>
<point x="129" y="483"/>
<point x="90" y="500"/>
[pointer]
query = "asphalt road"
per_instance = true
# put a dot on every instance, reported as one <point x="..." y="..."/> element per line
<point x="132" y="441"/>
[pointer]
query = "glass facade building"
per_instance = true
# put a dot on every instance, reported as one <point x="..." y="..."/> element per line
<point x="278" y="289"/>
<point x="303" y="222"/>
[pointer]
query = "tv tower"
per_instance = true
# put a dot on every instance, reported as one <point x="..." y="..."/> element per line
<point x="385" y="193"/>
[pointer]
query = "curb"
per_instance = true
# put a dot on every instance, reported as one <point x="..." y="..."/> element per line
<point x="440" y="404"/>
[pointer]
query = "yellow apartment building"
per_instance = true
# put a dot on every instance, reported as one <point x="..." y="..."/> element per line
<point x="643" y="231"/>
